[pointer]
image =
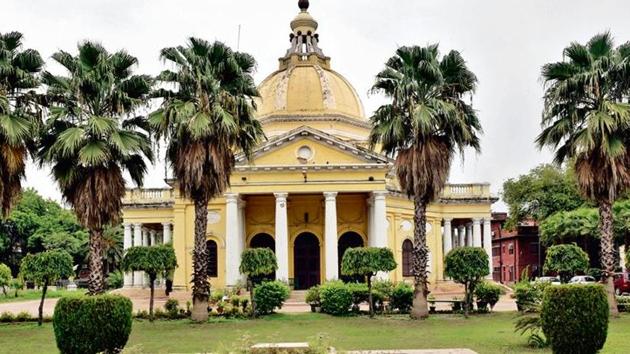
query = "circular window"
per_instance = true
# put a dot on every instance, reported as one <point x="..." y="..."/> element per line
<point x="304" y="153"/>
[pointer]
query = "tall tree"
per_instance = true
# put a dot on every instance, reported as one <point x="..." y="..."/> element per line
<point x="424" y="125"/>
<point x="208" y="119"/>
<point x="19" y="117"/>
<point x="92" y="136"/>
<point x="543" y="191"/>
<point x="586" y="120"/>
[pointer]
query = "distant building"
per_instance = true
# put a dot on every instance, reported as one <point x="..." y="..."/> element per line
<point x="513" y="251"/>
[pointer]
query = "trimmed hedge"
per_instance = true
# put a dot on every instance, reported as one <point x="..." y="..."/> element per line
<point x="92" y="324"/>
<point x="402" y="298"/>
<point x="488" y="292"/>
<point x="269" y="296"/>
<point x="575" y="318"/>
<point x="335" y="297"/>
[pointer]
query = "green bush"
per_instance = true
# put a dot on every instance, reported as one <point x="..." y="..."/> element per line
<point x="6" y="317"/>
<point x="269" y="296"/>
<point x="488" y="292"/>
<point x="385" y="288"/>
<point x="402" y="298"/>
<point x="23" y="317"/>
<point x="566" y="261"/>
<point x="360" y="294"/>
<point x="92" y="324"/>
<point x="575" y="318"/>
<point x="115" y="280"/>
<point x="171" y="306"/>
<point x="312" y="296"/>
<point x="623" y="303"/>
<point x="335" y="297"/>
<point x="529" y="294"/>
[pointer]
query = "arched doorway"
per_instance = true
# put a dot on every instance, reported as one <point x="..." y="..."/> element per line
<point x="348" y="240"/>
<point x="306" y="261"/>
<point x="264" y="241"/>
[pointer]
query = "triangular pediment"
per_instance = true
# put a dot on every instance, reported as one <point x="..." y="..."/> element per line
<point x="308" y="146"/>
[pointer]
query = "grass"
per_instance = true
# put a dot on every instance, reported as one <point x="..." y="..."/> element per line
<point x="485" y="334"/>
<point x="26" y="295"/>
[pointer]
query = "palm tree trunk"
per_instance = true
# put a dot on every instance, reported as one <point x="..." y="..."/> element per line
<point x="201" y="287"/>
<point x="420" y="309"/>
<point x="607" y="252"/>
<point x="41" y="304"/>
<point x="96" y="280"/>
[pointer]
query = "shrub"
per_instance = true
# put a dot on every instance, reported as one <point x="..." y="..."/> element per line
<point x="23" y="317"/>
<point x="366" y="262"/>
<point x="575" y="318"/>
<point x="488" y="292"/>
<point x="566" y="261"/>
<point x="312" y="296"/>
<point x="385" y="288"/>
<point x="270" y="295"/>
<point x="529" y="294"/>
<point x="171" y="306"/>
<point x="256" y="263"/>
<point x="335" y="297"/>
<point x="360" y="294"/>
<point x="402" y="298"/>
<point x="216" y="296"/>
<point x="5" y="278"/>
<point x="623" y="303"/>
<point x="467" y="266"/>
<point x="92" y="324"/>
<point x="115" y="280"/>
<point x="6" y="317"/>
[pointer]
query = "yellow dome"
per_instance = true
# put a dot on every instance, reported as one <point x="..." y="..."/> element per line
<point x="308" y="89"/>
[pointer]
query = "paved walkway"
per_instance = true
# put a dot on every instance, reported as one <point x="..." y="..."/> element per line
<point x="295" y="304"/>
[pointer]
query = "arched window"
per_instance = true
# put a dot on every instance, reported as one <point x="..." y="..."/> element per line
<point x="213" y="259"/>
<point x="407" y="248"/>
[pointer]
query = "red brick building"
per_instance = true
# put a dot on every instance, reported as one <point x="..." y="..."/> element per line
<point x="515" y="250"/>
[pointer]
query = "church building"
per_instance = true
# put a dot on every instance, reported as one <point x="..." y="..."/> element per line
<point x="312" y="190"/>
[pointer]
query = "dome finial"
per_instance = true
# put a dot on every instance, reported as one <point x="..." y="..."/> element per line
<point x="303" y="4"/>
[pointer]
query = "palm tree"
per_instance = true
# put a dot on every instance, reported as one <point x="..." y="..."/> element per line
<point x="19" y="117"/>
<point x="206" y="120"/>
<point x="425" y="124"/>
<point x="587" y="122"/>
<point x="91" y="137"/>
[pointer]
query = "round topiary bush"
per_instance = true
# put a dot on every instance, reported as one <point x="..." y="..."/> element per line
<point x="402" y="298"/>
<point x="92" y="324"/>
<point x="335" y="298"/>
<point x="488" y="293"/>
<point x="269" y="296"/>
<point x="574" y="318"/>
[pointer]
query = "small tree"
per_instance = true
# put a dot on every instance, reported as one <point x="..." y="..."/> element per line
<point x="367" y="262"/>
<point x="5" y="278"/>
<point x="44" y="269"/>
<point x="566" y="261"/>
<point x="152" y="260"/>
<point x="17" y="284"/>
<point x="467" y="266"/>
<point x="255" y="264"/>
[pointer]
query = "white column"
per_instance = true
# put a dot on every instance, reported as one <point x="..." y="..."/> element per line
<point x="137" y="241"/>
<point x="232" y="252"/>
<point x="380" y="219"/>
<point x="282" y="237"/>
<point x="145" y="237"/>
<point x="476" y="232"/>
<point x="166" y="232"/>
<point x="469" y="241"/>
<point x="127" y="242"/>
<point x="242" y="231"/>
<point x="152" y="235"/>
<point x="330" y="236"/>
<point x="380" y="225"/>
<point x="487" y="243"/>
<point x="622" y="257"/>
<point x="461" y="232"/>
<point x="370" y="217"/>
<point x="448" y="236"/>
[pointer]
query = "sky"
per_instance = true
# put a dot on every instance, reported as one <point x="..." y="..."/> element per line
<point x="505" y="43"/>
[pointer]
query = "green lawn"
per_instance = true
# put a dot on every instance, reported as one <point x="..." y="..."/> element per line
<point x="26" y="295"/>
<point x="484" y="334"/>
